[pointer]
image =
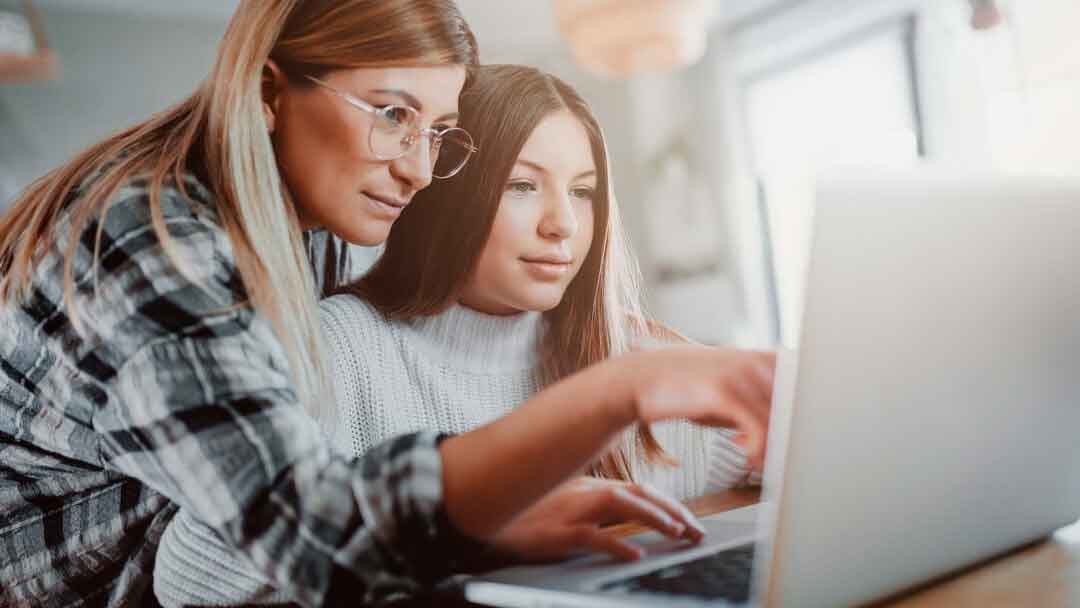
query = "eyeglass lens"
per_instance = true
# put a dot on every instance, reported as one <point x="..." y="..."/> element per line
<point x="395" y="131"/>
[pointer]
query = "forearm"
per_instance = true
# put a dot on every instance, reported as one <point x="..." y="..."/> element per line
<point x="492" y="473"/>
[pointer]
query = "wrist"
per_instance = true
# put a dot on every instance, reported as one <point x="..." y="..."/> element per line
<point x="621" y="375"/>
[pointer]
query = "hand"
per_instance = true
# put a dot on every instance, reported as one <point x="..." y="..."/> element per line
<point x="709" y="386"/>
<point x="569" y="519"/>
<point x="563" y="427"/>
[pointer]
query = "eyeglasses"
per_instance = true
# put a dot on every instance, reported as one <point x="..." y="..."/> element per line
<point x="396" y="129"/>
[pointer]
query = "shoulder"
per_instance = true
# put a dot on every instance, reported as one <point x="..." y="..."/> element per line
<point x="346" y="310"/>
<point x="351" y="325"/>
<point x="184" y="230"/>
<point x="142" y="270"/>
<point x="185" y="208"/>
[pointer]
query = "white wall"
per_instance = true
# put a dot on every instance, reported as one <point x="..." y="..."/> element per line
<point x="117" y="70"/>
<point x="1030" y="72"/>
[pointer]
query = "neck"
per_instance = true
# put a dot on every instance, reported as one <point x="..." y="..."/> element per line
<point x="489" y="309"/>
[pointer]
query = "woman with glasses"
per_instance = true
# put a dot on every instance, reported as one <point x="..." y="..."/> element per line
<point x="159" y="341"/>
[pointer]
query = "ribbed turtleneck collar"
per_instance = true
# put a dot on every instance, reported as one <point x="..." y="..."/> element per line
<point x="473" y="341"/>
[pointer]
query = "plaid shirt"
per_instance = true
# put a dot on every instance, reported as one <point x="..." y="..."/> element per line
<point x="169" y="399"/>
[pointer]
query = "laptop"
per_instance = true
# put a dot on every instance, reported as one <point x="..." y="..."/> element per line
<point x="927" y="422"/>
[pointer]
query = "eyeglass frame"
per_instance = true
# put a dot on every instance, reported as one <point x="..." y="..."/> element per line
<point x="431" y="133"/>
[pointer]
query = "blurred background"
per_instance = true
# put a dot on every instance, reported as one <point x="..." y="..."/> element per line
<point x="719" y="113"/>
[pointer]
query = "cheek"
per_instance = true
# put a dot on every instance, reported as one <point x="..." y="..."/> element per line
<point x="513" y="227"/>
<point x="499" y="251"/>
<point x="586" y="228"/>
<point x="517" y="220"/>
<point x="320" y="156"/>
<point x="498" y="270"/>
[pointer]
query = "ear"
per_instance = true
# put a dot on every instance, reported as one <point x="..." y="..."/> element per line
<point x="273" y="84"/>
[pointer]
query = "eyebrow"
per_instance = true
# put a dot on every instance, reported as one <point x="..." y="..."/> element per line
<point x="411" y="100"/>
<point x="538" y="167"/>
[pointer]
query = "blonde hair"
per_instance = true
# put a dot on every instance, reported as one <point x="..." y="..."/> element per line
<point x="220" y="135"/>
<point x="434" y="246"/>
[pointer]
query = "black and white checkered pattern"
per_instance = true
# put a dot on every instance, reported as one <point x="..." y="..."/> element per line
<point x="173" y="398"/>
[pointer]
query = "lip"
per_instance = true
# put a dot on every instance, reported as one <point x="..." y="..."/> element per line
<point x="386" y="205"/>
<point x="542" y="269"/>
<point x="554" y="260"/>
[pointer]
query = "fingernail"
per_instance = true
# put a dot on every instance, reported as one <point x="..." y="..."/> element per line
<point x="694" y="522"/>
<point x="678" y="528"/>
<point x="696" y="527"/>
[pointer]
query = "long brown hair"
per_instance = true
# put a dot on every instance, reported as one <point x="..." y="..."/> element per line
<point x="219" y="134"/>
<point x="435" y="244"/>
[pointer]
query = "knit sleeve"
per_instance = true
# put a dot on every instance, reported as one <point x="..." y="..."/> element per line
<point x="194" y="567"/>
<point x="707" y="461"/>
<point x="726" y="466"/>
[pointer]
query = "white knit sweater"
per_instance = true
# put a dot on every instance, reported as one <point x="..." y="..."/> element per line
<point x="451" y="372"/>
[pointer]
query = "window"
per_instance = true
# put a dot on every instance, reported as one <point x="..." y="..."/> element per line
<point x="852" y="104"/>
<point x="1029" y="69"/>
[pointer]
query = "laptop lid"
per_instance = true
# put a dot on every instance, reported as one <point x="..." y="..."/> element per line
<point x="936" y="410"/>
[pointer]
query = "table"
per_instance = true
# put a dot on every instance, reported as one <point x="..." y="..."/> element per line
<point x="1046" y="574"/>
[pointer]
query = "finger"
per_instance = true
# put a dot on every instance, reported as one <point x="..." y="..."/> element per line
<point x="734" y="408"/>
<point x="694" y="530"/>
<point x="750" y="392"/>
<point x="747" y="385"/>
<point x="619" y="503"/>
<point x="766" y="358"/>
<point x="752" y="426"/>
<point x="612" y="545"/>
<point x="742" y="441"/>
<point x="755" y="382"/>
<point x="765" y="370"/>
<point x="560" y="544"/>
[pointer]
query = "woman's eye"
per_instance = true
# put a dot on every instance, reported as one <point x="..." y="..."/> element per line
<point x="583" y="193"/>
<point x="395" y="116"/>
<point x="520" y="187"/>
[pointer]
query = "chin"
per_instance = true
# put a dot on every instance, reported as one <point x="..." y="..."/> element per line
<point x="367" y="234"/>
<point x="541" y="303"/>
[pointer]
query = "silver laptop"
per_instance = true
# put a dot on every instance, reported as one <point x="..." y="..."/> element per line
<point x="928" y="422"/>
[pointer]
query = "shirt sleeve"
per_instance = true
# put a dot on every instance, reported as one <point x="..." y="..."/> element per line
<point x="196" y="403"/>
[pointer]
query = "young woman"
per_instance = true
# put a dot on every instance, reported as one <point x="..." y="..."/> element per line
<point x="504" y="279"/>
<point x="159" y="343"/>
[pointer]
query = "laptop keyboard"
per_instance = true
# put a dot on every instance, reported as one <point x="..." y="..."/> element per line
<point x="724" y="575"/>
